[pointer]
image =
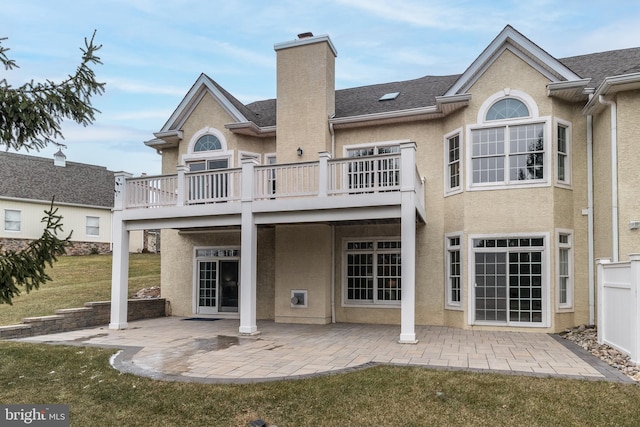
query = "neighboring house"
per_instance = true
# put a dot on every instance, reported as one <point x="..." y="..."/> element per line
<point x="478" y="200"/>
<point x="83" y="195"/>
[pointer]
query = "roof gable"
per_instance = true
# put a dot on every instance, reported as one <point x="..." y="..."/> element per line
<point x="522" y="47"/>
<point x="202" y="86"/>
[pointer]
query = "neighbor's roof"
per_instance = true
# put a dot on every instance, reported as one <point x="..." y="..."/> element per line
<point x="37" y="178"/>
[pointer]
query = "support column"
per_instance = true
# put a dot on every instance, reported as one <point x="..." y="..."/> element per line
<point x="120" y="262"/>
<point x="408" y="236"/>
<point x="248" y="254"/>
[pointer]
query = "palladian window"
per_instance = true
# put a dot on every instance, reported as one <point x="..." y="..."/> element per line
<point x="509" y="153"/>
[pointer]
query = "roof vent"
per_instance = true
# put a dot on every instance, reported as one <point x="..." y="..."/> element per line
<point x="389" y="96"/>
<point x="59" y="159"/>
<point x="305" y="35"/>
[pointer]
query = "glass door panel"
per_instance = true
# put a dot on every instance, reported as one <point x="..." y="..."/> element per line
<point x="229" y="286"/>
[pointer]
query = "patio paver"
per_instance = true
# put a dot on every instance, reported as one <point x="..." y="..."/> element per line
<point x="175" y="348"/>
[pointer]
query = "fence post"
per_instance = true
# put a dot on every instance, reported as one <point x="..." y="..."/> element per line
<point x="182" y="185"/>
<point x="635" y="283"/>
<point x="323" y="174"/>
<point x="601" y="306"/>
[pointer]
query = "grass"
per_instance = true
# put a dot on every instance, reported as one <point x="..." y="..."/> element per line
<point x="98" y="395"/>
<point x="80" y="279"/>
<point x="382" y="396"/>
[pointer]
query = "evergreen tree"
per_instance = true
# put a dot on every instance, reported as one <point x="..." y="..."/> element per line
<point x="30" y="118"/>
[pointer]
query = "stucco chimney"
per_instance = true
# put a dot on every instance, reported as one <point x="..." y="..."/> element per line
<point x="305" y="96"/>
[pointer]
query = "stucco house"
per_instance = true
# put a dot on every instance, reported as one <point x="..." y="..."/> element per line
<point x="476" y="201"/>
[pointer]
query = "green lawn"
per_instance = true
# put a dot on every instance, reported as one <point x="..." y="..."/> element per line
<point x="80" y="279"/>
<point x="99" y="395"/>
<point x="383" y="396"/>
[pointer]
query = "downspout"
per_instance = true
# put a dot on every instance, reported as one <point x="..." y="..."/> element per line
<point x="333" y="234"/>
<point x="333" y="137"/>
<point x="333" y="273"/>
<point x="590" y="232"/>
<point x="614" y="174"/>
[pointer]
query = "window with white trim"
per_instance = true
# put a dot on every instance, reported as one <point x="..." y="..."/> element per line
<point x="453" y="163"/>
<point x="207" y="142"/>
<point x="373" y="272"/>
<point x="508" y="154"/>
<point x="509" y="285"/>
<point x="454" y="270"/>
<point x="12" y="220"/>
<point x="509" y="146"/>
<point x="563" y="150"/>
<point x="565" y="265"/>
<point x="93" y="226"/>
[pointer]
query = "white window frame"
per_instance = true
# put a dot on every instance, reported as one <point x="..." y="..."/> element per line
<point x="546" y="280"/>
<point x="89" y="226"/>
<point x="566" y="182"/>
<point x="375" y="145"/>
<point x="374" y="303"/>
<point x="214" y="253"/>
<point x="8" y="221"/>
<point x="533" y="118"/>
<point x="223" y="153"/>
<point x="448" y="190"/>
<point x="568" y="246"/>
<point x="449" y="249"/>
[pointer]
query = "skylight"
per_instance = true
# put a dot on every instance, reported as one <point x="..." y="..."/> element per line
<point x="389" y="96"/>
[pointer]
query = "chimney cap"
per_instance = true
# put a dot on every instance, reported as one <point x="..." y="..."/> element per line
<point x="305" y="35"/>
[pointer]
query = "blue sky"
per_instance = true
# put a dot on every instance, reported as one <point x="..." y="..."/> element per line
<point x="153" y="51"/>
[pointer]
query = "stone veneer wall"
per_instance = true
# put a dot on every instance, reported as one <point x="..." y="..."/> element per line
<point x="92" y="314"/>
<point x="77" y="248"/>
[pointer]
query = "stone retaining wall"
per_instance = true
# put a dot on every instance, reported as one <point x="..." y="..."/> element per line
<point x="77" y="248"/>
<point x="92" y="314"/>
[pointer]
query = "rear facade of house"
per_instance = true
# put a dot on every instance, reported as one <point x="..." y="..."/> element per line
<point x="476" y="201"/>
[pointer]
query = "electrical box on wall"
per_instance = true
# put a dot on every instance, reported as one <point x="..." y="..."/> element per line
<point x="634" y="225"/>
<point x="298" y="298"/>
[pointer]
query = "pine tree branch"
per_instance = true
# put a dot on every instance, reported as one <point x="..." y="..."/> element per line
<point x="31" y="115"/>
<point x="26" y="268"/>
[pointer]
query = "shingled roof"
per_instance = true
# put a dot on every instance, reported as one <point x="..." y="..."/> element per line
<point x="597" y="66"/>
<point x="37" y="178"/>
<point x="422" y="92"/>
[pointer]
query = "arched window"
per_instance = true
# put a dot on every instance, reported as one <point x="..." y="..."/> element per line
<point x="207" y="143"/>
<point x="507" y="108"/>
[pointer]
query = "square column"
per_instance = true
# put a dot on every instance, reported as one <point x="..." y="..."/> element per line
<point x="120" y="261"/>
<point x="249" y="253"/>
<point x="408" y="236"/>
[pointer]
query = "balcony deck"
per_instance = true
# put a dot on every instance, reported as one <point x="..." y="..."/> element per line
<point x="325" y="190"/>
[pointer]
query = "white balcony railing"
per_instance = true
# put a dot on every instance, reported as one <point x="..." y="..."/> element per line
<point x="364" y="174"/>
<point x="324" y="178"/>
<point x="286" y="180"/>
<point x="213" y="186"/>
<point x="151" y="191"/>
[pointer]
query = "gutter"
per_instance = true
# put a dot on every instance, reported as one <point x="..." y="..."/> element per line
<point x="614" y="175"/>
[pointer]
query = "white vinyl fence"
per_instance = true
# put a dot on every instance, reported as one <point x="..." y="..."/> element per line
<point x="619" y="305"/>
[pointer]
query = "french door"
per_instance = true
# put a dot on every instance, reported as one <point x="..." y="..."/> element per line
<point x="217" y="286"/>
<point x="508" y="285"/>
